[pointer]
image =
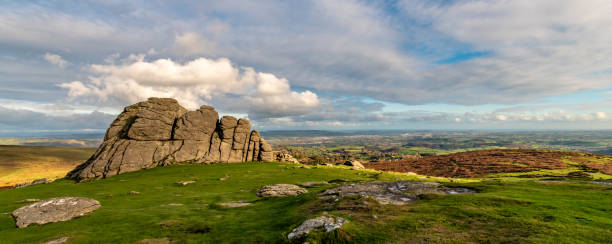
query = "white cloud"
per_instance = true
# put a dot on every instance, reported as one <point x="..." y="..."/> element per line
<point x="192" y="43"/>
<point x="193" y="83"/>
<point x="55" y="59"/>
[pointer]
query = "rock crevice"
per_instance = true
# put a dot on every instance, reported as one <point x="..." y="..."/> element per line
<point x="160" y="132"/>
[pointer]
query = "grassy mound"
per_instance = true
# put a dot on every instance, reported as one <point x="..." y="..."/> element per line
<point x="525" y="211"/>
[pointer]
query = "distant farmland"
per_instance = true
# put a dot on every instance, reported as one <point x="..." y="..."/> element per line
<point x="20" y="164"/>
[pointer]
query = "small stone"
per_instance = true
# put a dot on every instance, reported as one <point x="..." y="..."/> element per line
<point x="234" y="204"/>
<point x="280" y="190"/>
<point x="175" y="204"/>
<point x="224" y="178"/>
<point x="187" y="182"/>
<point x="305" y="167"/>
<point x="134" y="193"/>
<point x="58" y="240"/>
<point x="326" y="223"/>
<point x="164" y="240"/>
<point x="29" y="200"/>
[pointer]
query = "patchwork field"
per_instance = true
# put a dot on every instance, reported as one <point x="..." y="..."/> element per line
<point x="19" y="164"/>
<point x="500" y="163"/>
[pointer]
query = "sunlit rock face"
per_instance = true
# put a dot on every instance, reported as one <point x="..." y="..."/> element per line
<point x="160" y="132"/>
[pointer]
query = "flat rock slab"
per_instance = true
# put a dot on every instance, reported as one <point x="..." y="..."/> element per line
<point x="54" y="210"/>
<point x="323" y="222"/>
<point x="393" y="193"/>
<point x="280" y="190"/>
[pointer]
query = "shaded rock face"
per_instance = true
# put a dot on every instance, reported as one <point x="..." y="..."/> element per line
<point x="160" y="132"/>
<point x="54" y="210"/>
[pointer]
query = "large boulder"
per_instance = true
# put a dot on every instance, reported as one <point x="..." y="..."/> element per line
<point x="160" y="132"/>
<point x="196" y="125"/>
<point x="54" y="210"/>
<point x="155" y="119"/>
<point x="266" y="153"/>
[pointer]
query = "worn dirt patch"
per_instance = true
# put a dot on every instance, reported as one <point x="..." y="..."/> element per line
<point x="483" y="162"/>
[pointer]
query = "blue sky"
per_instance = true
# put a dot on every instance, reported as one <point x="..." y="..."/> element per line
<point x="346" y="64"/>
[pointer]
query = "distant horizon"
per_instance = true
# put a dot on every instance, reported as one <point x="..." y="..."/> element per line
<point x="72" y="135"/>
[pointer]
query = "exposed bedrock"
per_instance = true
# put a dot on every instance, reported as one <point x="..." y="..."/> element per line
<point x="160" y="132"/>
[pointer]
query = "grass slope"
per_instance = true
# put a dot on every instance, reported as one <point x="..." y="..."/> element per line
<point x="536" y="211"/>
<point x="20" y="164"/>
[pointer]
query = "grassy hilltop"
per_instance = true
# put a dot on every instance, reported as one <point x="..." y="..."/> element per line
<point x="571" y="211"/>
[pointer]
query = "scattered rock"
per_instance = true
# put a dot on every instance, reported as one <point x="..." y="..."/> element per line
<point x="334" y="181"/>
<point x="224" y="178"/>
<point x="58" y="240"/>
<point x="305" y="167"/>
<point x="602" y="183"/>
<point x="354" y="164"/>
<point x="134" y="193"/>
<point x="34" y="182"/>
<point x="175" y="204"/>
<point x="313" y="183"/>
<point x="234" y="204"/>
<point x="285" y="157"/>
<point x="164" y="240"/>
<point x="54" y="210"/>
<point x="323" y="222"/>
<point x="160" y="132"/>
<point x="187" y="182"/>
<point x="393" y="193"/>
<point x="29" y="200"/>
<point x="280" y="190"/>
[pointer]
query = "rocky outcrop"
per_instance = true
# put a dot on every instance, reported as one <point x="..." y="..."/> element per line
<point x="54" y="210"/>
<point x="285" y="157"/>
<point x="393" y="193"/>
<point x="160" y="132"/>
<point x="354" y="164"/>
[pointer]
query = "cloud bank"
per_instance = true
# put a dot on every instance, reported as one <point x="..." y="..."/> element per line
<point x="343" y="63"/>
<point x="193" y="83"/>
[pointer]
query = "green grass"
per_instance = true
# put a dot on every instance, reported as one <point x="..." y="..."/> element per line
<point x="534" y="211"/>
